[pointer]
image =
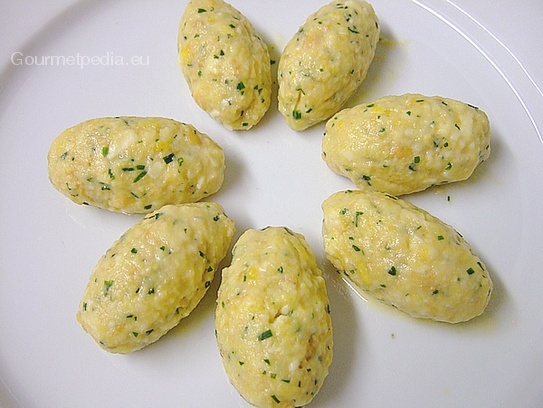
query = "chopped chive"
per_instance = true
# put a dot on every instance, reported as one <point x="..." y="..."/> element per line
<point x="358" y="214"/>
<point x="392" y="271"/>
<point x="169" y="158"/>
<point x="297" y="115"/>
<point x="265" y="335"/>
<point x="140" y="176"/>
<point x="470" y="271"/>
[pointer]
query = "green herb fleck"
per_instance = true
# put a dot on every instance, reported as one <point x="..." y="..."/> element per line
<point x="105" y="151"/>
<point x="140" y="176"/>
<point x="440" y="238"/>
<point x="265" y="335"/>
<point x="169" y="158"/>
<point x="201" y="10"/>
<point x="392" y="271"/>
<point x="297" y="115"/>
<point x="107" y="285"/>
<point x="276" y="399"/>
<point x="470" y="271"/>
<point x="358" y="214"/>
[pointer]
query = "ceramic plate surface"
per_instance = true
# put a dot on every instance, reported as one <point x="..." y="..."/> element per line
<point x="487" y="54"/>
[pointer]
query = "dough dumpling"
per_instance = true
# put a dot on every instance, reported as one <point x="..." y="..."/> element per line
<point x="135" y="164"/>
<point x="154" y="275"/>
<point x="404" y="256"/>
<point x="273" y="323"/>
<point x="225" y="63"/>
<point x="326" y="61"/>
<point x="407" y="143"/>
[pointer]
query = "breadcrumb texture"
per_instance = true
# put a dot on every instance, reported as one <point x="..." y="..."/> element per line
<point x="154" y="275"/>
<point x="135" y="164"/>
<point x="407" y="143"/>
<point x="273" y="322"/>
<point x="404" y="256"/>
<point x="325" y="62"/>
<point x="225" y="62"/>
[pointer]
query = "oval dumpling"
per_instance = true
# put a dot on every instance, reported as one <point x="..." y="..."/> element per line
<point x="407" y="143"/>
<point x="225" y="63"/>
<point x="154" y="275"/>
<point x="325" y="62"/>
<point x="404" y="256"/>
<point x="135" y="164"/>
<point x="273" y="322"/>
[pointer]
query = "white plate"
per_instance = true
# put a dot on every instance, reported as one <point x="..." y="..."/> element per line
<point x="275" y="176"/>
